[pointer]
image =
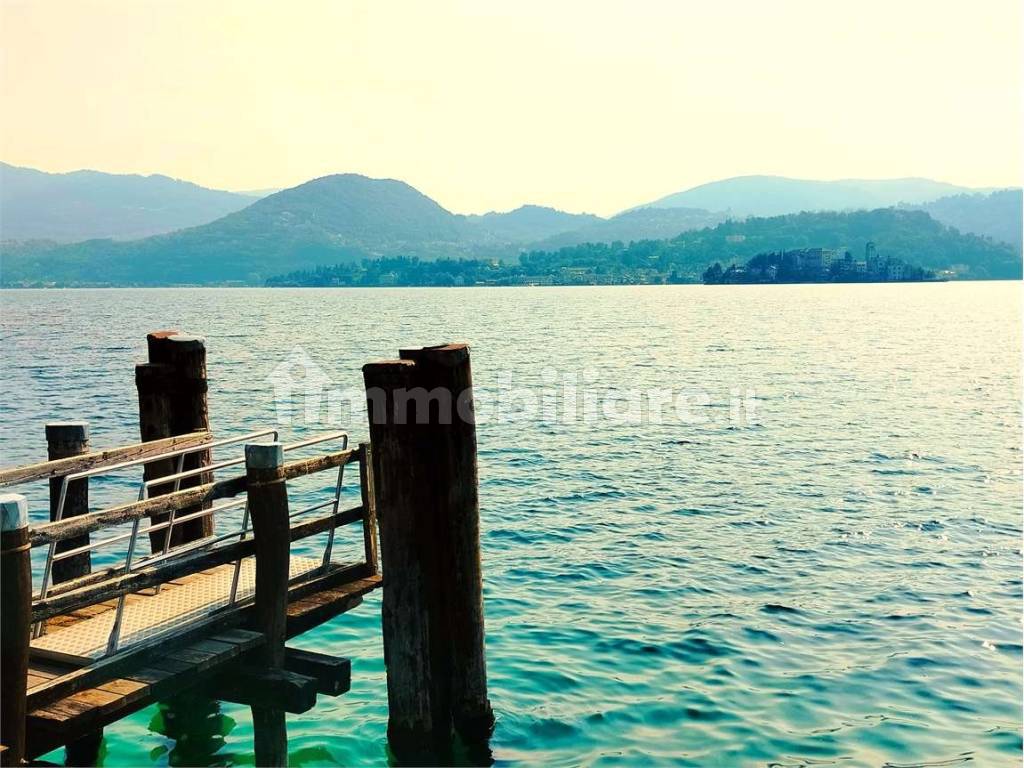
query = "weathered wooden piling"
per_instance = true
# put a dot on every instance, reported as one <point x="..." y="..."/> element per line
<point x="16" y="598"/>
<point x="63" y="440"/>
<point x="186" y="354"/>
<point x="450" y="455"/>
<point x="172" y="389"/>
<point x="414" y="711"/>
<point x="424" y="461"/>
<point x="268" y="509"/>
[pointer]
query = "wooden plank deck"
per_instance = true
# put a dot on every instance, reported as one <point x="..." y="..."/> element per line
<point x="190" y="664"/>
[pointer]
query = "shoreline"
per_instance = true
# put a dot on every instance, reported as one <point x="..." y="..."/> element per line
<point x="212" y="286"/>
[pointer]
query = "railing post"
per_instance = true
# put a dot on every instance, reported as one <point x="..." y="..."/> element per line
<point x="64" y="439"/>
<point x="16" y="598"/>
<point x="172" y="390"/>
<point x="268" y="510"/>
<point x="425" y="477"/>
<point x="369" y="506"/>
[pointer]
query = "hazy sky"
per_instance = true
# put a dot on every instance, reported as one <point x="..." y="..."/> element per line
<point x="589" y="105"/>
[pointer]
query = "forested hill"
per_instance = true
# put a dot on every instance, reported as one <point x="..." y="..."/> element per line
<point x="347" y="219"/>
<point x="911" y="236"/>
<point x="996" y="215"/>
<point x="334" y="218"/>
<point x="330" y="220"/>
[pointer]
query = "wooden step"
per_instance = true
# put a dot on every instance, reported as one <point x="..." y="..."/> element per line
<point x="72" y="716"/>
<point x="314" y="609"/>
<point x="183" y="666"/>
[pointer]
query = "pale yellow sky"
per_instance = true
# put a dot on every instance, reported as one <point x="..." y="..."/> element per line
<point x="587" y="106"/>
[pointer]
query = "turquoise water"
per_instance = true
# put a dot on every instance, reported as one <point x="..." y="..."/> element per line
<point x="819" y="565"/>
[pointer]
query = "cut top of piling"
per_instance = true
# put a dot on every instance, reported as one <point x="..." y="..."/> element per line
<point x="448" y="355"/>
<point x="444" y="355"/>
<point x="67" y="431"/>
<point x="172" y="338"/>
<point x="264" y="455"/>
<point x="13" y="511"/>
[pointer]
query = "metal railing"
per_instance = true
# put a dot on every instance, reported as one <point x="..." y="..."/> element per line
<point x="209" y="541"/>
<point x="52" y="555"/>
<point x="180" y="454"/>
<point x="133" y="563"/>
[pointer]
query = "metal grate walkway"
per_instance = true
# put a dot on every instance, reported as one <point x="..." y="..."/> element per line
<point x="156" y="614"/>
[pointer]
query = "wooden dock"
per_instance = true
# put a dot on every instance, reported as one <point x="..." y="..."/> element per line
<point x="212" y="609"/>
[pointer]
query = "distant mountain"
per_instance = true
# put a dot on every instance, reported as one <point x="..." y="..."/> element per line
<point x="347" y="218"/>
<point x="997" y="215"/>
<point x="777" y="195"/>
<point x="329" y="220"/>
<point x="69" y="207"/>
<point x="638" y="224"/>
<point x="526" y="224"/>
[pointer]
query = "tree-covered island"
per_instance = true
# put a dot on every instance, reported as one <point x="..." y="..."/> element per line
<point x="819" y="265"/>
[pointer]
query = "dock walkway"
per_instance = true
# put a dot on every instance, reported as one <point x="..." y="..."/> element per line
<point x="109" y="643"/>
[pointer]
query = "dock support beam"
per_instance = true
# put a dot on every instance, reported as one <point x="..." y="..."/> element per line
<point x="16" y="597"/>
<point x="173" y="401"/>
<point x="64" y="439"/>
<point x="423" y="434"/>
<point x="268" y="510"/>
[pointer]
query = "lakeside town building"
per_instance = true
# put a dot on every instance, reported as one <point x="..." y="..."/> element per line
<point x="818" y="265"/>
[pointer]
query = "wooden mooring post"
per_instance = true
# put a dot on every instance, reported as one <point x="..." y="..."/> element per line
<point x="16" y="598"/>
<point x="172" y="390"/>
<point x="423" y="434"/>
<point x="63" y="440"/>
<point x="268" y="509"/>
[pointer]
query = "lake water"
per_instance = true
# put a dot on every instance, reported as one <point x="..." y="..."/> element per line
<point x="816" y="561"/>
